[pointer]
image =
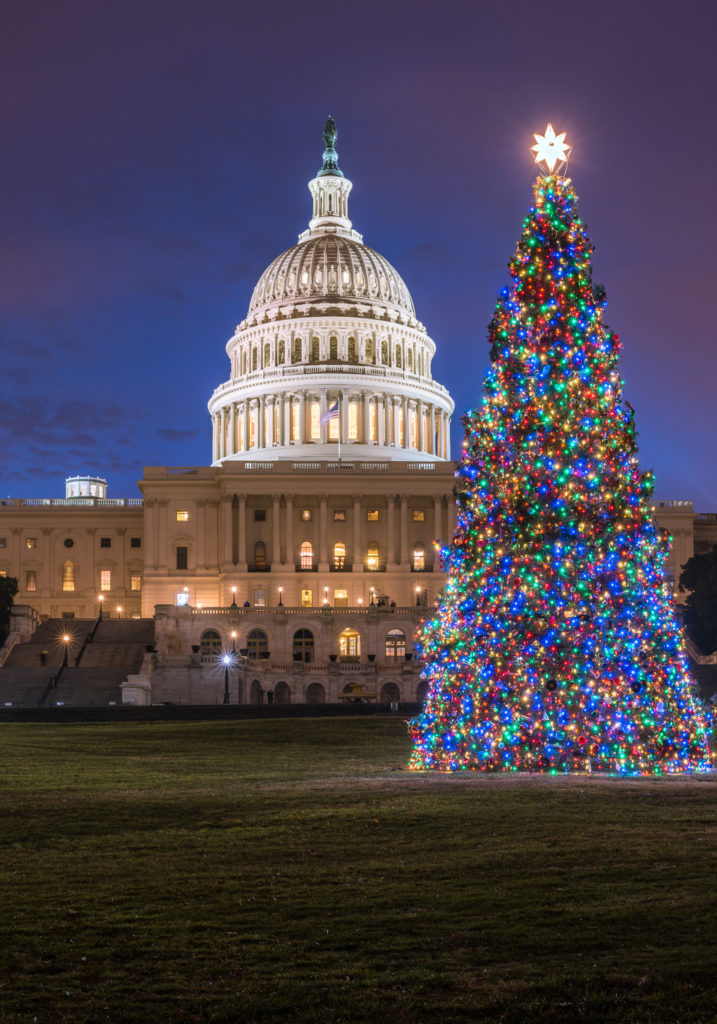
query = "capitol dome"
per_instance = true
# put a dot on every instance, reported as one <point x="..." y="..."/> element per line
<point x="330" y="355"/>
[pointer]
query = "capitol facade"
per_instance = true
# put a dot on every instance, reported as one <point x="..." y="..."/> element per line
<point x="296" y="565"/>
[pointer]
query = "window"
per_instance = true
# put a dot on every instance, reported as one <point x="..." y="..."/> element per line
<point x="296" y="353"/>
<point x="352" y="350"/>
<point x="339" y="515"/>
<point x="349" y="645"/>
<point x="3" y="573"/>
<point x="333" y="350"/>
<point x="307" y="555"/>
<point x="3" y="542"/>
<point x="68" y="576"/>
<point x="135" y="580"/>
<point x="260" y="555"/>
<point x="105" y="579"/>
<point x="315" y="413"/>
<point x="398" y="358"/>
<point x="418" y="515"/>
<point x="210" y="643"/>
<point x="372" y="515"/>
<point x="339" y="555"/>
<point x="259" y="515"/>
<point x="303" y="645"/>
<point x="341" y="597"/>
<point x="295" y="422"/>
<point x="353" y="421"/>
<point x="305" y="515"/>
<point x="135" y="542"/>
<point x="69" y="543"/>
<point x="182" y="599"/>
<point x="257" y="643"/>
<point x="182" y="557"/>
<point x="314" y="350"/>
<point x="413" y="420"/>
<point x="307" y="598"/>
<point x="31" y="580"/>
<point x="372" y="562"/>
<point x="401" y="441"/>
<point x="369" y="350"/>
<point x="105" y="542"/>
<point x="418" y="563"/>
<point x="372" y="423"/>
<point x="259" y="597"/>
<point x="395" y="645"/>
<point x="333" y="429"/>
<point x="182" y="515"/>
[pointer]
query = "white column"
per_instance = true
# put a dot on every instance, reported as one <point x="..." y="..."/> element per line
<point x="344" y="420"/>
<point x="366" y="400"/>
<point x="432" y="442"/>
<point x="289" y="557"/>
<point x="420" y="412"/>
<point x="404" y="529"/>
<point x="287" y="400"/>
<point x="232" y="429"/>
<point x="322" y="410"/>
<point x="270" y="417"/>
<point x="357" y="553"/>
<point x="406" y="423"/>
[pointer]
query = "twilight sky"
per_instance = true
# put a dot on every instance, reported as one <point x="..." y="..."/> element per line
<point x="155" y="158"/>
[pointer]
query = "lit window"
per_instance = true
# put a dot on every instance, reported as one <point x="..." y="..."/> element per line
<point x="259" y="598"/>
<point x="315" y="414"/>
<point x="182" y="515"/>
<point x="182" y="598"/>
<point x="339" y="515"/>
<point x="372" y="422"/>
<point x="31" y="542"/>
<point x="333" y="429"/>
<point x="68" y="576"/>
<point x="260" y="555"/>
<point x="307" y="598"/>
<point x="413" y="418"/>
<point x="105" y="579"/>
<point x="341" y="598"/>
<point x="395" y="645"/>
<point x="182" y="557"/>
<point x="339" y="556"/>
<point x="105" y="542"/>
<point x="372" y="515"/>
<point x="3" y="573"/>
<point x="349" y="645"/>
<point x="267" y="422"/>
<point x="295" y="422"/>
<point x="31" y="580"/>
<point x="372" y="562"/>
<point x="305" y="515"/>
<point x="353" y="421"/>
<point x="418" y="515"/>
<point x="400" y="427"/>
<point x="307" y="556"/>
<point x="419" y="558"/>
<point x="252" y="429"/>
<point x="135" y="580"/>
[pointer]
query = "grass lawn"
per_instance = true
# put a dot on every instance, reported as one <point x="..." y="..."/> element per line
<point x="285" y="870"/>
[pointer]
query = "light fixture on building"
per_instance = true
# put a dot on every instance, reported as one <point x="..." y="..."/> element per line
<point x="119" y="611"/>
<point x="100" y="598"/>
<point x="234" y="597"/>
<point x="281" y="591"/>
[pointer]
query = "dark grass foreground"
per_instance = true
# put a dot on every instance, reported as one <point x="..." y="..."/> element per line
<point x="283" y="871"/>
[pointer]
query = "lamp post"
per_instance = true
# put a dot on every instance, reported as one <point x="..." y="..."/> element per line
<point x="66" y="641"/>
<point x="227" y="660"/>
<point x="100" y="598"/>
<point x="233" y="635"/>
<point x="372" y="592"/>
<point x="281" y="603"/>
<point x="418" y="597"/>
<point x="234" y="598"/>
<point x="119" y="611"/>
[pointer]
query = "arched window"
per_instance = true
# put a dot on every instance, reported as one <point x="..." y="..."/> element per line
<point x="384" y="353"/>
<point x="256" y="694"/>
<point x="395" y="646"/>
<point x="418" y="561"/>
<point x="349" y="645"/>
<point x="409" y="359"/>
<point x="260" y="554"/>
<point x="372" y="562"/>
<point x="369" y="350"/>
<point x="315" y="350"/>
<point x="307" y="555"/>
<point x="303" y="645"/>
<point x="282" y="351"/>
<point x="339" y="555"/>
<point x="315" y="420"/>
<point x="296" y="353"/>
<point x="257" y="644"/>
<point x="352" y="350"/>
<point x="210" y="645"/>
<point x="254" y="359"/>
<point x="315" y="694"/>
<point x="282" y="693"/>
<point x="390" y="693"/>
<point x="267" y="354"/>
<point x="68" y="576"/>
<point x="333" y="350"/>
<point x="398" y="357"/>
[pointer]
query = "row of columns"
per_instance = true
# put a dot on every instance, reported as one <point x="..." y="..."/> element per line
<point x="243" y="358"/>
<point x="280" y="420"/>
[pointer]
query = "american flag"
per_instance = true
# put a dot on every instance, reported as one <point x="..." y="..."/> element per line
<point x="332" y="413"/>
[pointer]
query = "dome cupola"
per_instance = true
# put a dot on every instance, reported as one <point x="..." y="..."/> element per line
<point x="330" y="354"/>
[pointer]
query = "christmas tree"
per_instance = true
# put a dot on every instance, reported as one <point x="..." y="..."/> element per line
<point x="555" y="644"/>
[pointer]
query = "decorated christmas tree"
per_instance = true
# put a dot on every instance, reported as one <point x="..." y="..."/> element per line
<point x="555" y="644"/>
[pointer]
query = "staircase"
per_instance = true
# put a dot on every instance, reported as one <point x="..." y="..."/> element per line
<point x="115" y="651"/>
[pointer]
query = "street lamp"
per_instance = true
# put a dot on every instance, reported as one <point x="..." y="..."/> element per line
<point x="418" y="596"/>
<point x="234" y="597"/>
<point x="66" y="641"/>
<point x="233" y="635"/>
<point x="227" y="660"/>
<point x="119" y="611"/>
<point x="100" y="598"/>
<point x="372" y="590"/>
<point x="281" y="591"/>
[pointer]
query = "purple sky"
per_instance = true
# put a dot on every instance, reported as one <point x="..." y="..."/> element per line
<point x="155" y="159"/>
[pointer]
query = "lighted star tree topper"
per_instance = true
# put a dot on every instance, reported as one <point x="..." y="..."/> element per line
<point x="555" y="646"/>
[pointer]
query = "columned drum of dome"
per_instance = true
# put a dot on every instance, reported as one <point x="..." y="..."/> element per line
<point x="331" y="359"/>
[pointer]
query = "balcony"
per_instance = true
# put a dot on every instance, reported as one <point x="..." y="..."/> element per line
<point x="338" y="565"/>
<point x="304" y="567"/>
<point x="428" y="567"/>
<point x="259" y="567"/>
<point x="375" y="566"/>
